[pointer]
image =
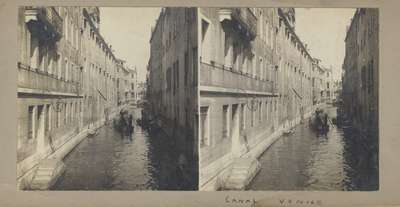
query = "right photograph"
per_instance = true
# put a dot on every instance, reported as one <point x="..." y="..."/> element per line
<point x="288" y="99"/>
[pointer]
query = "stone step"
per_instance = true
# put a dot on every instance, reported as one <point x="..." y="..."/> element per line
<point x="46" y="168"/>
<point x="44" y="181"/>
<point x="238" y="176"/>
<point x="231" y="185"/>
<point x="44" y="172"/>
<point x="49" y="163"/>
<point x="235" y="168"/>
<point x="242" y="162"/>
<point x="242" y="172"/>
<point x="42" y="176"/>
<point x="47" y="173"/>
<point x="39" y="186"/>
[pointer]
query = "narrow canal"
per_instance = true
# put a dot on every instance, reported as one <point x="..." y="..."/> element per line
<point x="108" y="162"/>
<point x="304" y="160"/>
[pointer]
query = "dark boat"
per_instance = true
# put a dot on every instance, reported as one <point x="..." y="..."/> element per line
<point x="318" y="125"/>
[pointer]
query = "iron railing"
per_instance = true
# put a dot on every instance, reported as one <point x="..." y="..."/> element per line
<point x="31" y="78"/>
<point x="213" y="75"/>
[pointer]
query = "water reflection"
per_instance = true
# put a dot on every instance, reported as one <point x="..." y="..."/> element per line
<point x="304" y="160"/>
<point x="107" y="162"/>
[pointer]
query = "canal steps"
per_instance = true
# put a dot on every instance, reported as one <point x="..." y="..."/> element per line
<point x="47" y="173"/>
<point x="242" y="172"/>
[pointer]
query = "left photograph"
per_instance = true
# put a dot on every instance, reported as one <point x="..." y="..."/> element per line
<point x="107" y="100"/>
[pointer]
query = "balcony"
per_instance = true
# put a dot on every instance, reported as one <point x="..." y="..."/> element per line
<point x="45" y="22"/>
<point x="239" y="19"/>
<point x="211" y="75"/>
<point x="48" y="84"/>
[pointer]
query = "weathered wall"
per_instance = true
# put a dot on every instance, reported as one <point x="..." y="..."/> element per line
<point x="361" y="74"/>
<point x="173" y="71"/>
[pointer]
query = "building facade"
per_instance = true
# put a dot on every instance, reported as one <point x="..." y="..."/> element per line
<point x="172" y="69"/>
<point x="67" y="82"/>
<point x="127" y="85"/>
<point x="360" y="72"/>
<point x="257" y="80"/>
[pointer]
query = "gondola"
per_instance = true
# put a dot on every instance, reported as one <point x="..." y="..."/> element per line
<point x="318" y="125"/>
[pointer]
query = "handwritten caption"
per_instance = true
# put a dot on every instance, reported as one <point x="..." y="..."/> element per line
<point x="251" y="201"/>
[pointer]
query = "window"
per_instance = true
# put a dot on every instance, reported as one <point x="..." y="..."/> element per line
<point x="177" y="74"/>
<point x="363" y="78"/>
<point x="42" y="56"/>
<point x="73" y="72"/>
<point x="252" y="116"/>
<point x="261" y="24"/>
<point x="65" y="113"/>
<point x="186" y="69"/>
<point x="76" y="111"/>
<point x="234" y="114"/>
<point x="370" y="76"/>
<point x="48" y="118"/>
<point x="173" y="77"/>
<point x="31" y="122"/>
<point x="38" y="116"/>
<point x="242" y="117"/>
<point x="225" y="121"/>
<point x="66" y="26"/>
<point x="267" y="33"/>
<point x="194" y="67"/>
<point x="204" y="127"/>
<point x="187" y="119"/>
<point x="80" y="108"/>
<point x="73" y="114"/>
<point x="266" y="110"/>
<point x="51" y="56"/>
<point x="260" y="112"/>
<point x="177" y="112"/>
<point x="57" y="113"/>
<point x="66" y="70"/>
<point x="69" y="33"/>
<point x="205" y="40"/>
<point x="261" y="68"/>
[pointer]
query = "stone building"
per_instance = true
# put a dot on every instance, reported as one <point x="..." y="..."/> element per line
<point x="172" y="69"/>
<point x="257" y="80"/>
<point x="328" y="84"/>
<point x="127" y="85"/>
<point x="66" y="84"/>
<point x="360" y="71"/>
<point x="141" y="90"/>
<point x="321" y="82"/>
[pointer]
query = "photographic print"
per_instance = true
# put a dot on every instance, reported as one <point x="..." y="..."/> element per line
<point x="107" y="98"/>
<point x="202" y="103"/>
<point x="288" y="99"/>
<point x="197" y="98"/>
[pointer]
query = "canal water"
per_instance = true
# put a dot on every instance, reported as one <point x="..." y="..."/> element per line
<point x="303" y="160"/>
<point x="108" y="162"/>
